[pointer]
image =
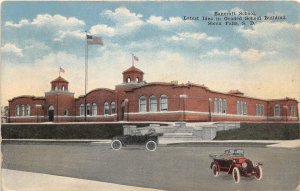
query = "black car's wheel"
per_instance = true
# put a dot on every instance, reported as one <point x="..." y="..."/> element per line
<point x="258" y="172"/>
<point x="116" y="144"/>
<point x="215" y="170"/>
<point x="151" y="145"/>
<point x="236" y="175"/>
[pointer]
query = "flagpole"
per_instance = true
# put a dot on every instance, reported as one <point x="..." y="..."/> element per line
<point x="86" y="73"/>
<point x="132" y="60"/>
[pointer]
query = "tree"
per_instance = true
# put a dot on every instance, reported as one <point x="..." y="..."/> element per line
<point x="4" y="114"/>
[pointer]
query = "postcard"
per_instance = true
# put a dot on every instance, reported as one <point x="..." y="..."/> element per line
<point x="141" y="95"/>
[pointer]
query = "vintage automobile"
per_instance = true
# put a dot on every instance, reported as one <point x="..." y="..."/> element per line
<point x="134" y="136"/>
<point x="232" y="161"/>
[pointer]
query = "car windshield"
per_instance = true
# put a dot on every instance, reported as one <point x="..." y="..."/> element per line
<point x="235" y="152"/>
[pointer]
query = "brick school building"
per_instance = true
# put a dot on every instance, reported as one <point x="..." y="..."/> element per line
<point x="136" y="100"/>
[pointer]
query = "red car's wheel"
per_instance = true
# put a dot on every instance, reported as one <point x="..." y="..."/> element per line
<point x="258" y="172"/>
<point x="236" y="175"/>
<point x="215" y="170"/>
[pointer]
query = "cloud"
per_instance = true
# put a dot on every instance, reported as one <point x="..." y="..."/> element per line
<point x="193" y="36"/>
<point x="12" y="49"/>
<point x="160" y="21"/>
<point x="69" y="34"/>
<point x="103" y="30"/>
<point x="249" y="56"/>
<point x="17" y="25"/>
<point x="278" y="36"/>
<point x="125" y="22"/>
<point x="49" y="20"/>
<point x="252" y="55"/>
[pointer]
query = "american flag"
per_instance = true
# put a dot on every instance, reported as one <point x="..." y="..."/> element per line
<point x="94" y="40"/>
<point x="61" y="70"/>
<point x="135" y="57"/>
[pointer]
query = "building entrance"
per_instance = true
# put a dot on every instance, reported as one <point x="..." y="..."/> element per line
<point x="51" y="113"/>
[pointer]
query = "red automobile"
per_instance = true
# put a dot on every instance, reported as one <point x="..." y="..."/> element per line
<point x="233" y="162"/>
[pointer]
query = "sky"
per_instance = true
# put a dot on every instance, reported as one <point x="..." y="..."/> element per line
<point x="261" y="60"/>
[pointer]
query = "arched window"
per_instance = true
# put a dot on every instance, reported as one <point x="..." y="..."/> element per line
<point x="143" y="104"/>
<point x="113" y="107"/>
<point x="88" y="109"/>
<point x="66" y="112"/>
<point x="55" y="88"/>
<point x="82" y="109"/>
<point x="216" y="105"/>
<point x="94" y="109"/>
<point x="27" y="110"/>
<point x="63" y="88"/>
<point x="153" y="103"/>
<point x="22" y="110"/>
<point x="163" y="103"/>
<point x="106" y="108"/>
<point x="277" y="110"/>
<point x="224" y="106"/>
<point x="128" y="79"/>
<point x="17" y="110"/>
<point x="220" y="106"/>
<point x="137" y="79"/>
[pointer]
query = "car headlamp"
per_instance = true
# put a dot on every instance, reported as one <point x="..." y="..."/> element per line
<point x="244" y="165"/>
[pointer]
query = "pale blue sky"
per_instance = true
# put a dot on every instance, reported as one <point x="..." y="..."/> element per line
<point x="38" y="37"/>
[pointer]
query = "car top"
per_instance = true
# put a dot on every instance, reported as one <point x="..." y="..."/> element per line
<point x="228" y="154"/>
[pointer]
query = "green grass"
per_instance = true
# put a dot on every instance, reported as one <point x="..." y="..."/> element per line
<point x="261" y="131"/>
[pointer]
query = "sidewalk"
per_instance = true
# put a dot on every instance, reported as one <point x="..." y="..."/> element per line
<point x="170" y="141"/>
<point x="13" y="180"/>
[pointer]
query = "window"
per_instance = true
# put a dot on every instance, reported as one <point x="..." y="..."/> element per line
<point x="94" y="109"/>
<point x="27" y="111"/>
<point x="245" y="108"/>
<point x="153" y="103"/>
<point x="22" y="110"/>
<point x="216" y="105"/>
<point x="224" y="106"/>
<point x="128" y="79"/>
<point x="277" y="110"/>
<point x="63" y="88"/>
<point x="242" y="108"/>
<point x="293" y="111"/>
<point x="262" y="109"/>
<point x="17" y="110"/>
<point x="113" y="107"/>
<point x="143" y="104"/>
<point x="238" y="111"/>
<point x="220" y="106"/>
<point x="82" y="109"/>
<point x="88" y="109"/>
<point x="66" y="112"/>
<point x="163" y="103"/>
<point x="137" y="79"/>
<point x="106" y="108"/>
<point x="259" y="109"/>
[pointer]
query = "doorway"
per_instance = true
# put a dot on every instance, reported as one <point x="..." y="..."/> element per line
<point x="51" y="113"/>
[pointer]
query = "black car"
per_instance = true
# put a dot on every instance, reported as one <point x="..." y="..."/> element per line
<point x="134" y="136"/>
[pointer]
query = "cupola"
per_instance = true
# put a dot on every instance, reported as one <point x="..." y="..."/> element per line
<point x="59" y="84"/>
<point x="133" y="75"/>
